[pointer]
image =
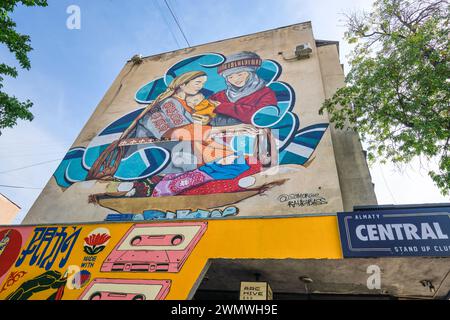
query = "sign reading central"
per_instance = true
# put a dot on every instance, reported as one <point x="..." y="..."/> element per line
<point x="396" y="232"/>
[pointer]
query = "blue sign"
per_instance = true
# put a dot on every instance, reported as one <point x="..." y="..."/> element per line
<point x="396" y="232"/>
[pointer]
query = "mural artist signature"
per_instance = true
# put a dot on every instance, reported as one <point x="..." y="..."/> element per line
<point x="302" y="199"/>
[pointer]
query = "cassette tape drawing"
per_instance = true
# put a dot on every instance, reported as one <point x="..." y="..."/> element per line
<point x="126" y="289"/>
<point x="156" y="247"/>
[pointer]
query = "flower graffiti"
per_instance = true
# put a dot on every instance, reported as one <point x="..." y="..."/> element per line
<point x="96" y="241"/>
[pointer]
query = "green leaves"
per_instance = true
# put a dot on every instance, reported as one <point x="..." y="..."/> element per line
<point x="11" y="109"/>
<point x="93" y="250"/>
<point x="397" y="94"/>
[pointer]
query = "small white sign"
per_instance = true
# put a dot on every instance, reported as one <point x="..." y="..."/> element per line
<point x="255" y="291"/>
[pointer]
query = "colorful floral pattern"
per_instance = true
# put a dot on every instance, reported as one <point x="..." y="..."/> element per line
<point x="95" y="242"/>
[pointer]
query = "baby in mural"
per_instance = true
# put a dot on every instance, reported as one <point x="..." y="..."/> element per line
<point x="203" y="108"/>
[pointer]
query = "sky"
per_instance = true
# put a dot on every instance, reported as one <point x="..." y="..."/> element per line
<point x="73" y="68"/>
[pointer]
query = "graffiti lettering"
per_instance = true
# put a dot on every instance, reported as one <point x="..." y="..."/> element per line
<point x="88" y="261"/>
<point x="302" y="199"/>
<point x="178" y="214"/>
<point x="47" y="244"/>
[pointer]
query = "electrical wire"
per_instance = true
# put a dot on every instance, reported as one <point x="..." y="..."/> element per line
<point x="177" y="22"/>
<point x="29" y="166"/>
<point x="33" y="154"/>
<point x="18" y="187"/>
<point x="167" y="24"/>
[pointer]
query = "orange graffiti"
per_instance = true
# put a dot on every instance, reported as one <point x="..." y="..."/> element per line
<point x="12" y="278"/>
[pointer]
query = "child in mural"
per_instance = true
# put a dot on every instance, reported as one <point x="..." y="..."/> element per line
<point x="167" y="118"/>
<point x="246" y="92"/>
<point x="232" y="153"/>
<point x="170" y="117"/>
<point x="204" y="109"/>
<point x="176" y="112"/>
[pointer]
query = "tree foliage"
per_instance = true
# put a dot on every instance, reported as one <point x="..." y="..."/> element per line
<point x="11" y="109"/>
<point x="397" y="94"/>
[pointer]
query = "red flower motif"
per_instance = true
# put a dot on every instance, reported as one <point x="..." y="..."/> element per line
<point x="97" y="239"/>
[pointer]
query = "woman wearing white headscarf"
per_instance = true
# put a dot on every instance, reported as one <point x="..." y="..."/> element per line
<point x="246" y="92"/>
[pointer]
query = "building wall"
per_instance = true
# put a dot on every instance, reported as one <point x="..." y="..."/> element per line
<point x="306" y="175"/>
<point x="354" y="175"/>
<point x="108" y="258"/>
<point x="8" y="210"/>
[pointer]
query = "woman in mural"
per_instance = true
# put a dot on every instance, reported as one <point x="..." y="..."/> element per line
<point x="246" y="92"/>
<point x="168" y="117"/>
<point x="169" y="110"/>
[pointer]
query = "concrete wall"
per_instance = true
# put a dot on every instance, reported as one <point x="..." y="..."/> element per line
<point x="108" y="258"/>
<point x="117" y="260"/>
<point x="8" y="210"/>
<point x="318" y="169"/>
<point x="354" y="175"/>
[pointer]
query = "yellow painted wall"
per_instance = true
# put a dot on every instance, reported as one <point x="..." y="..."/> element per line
<point x="255" y="238"/>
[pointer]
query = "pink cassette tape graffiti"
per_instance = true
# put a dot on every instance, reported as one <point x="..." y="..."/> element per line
<point x="156" y="247"/>
<point x="126" y="289"/>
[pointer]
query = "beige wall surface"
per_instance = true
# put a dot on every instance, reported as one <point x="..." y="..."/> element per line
<point x="354" y="175"/>
<point x="8" y="210"/>
<point x="311" y="185"/>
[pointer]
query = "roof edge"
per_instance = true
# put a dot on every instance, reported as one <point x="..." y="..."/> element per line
<point x="226" y="39"/>
<point x="3" y="195"/>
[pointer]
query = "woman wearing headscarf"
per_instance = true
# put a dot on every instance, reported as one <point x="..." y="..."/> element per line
<point x="246" y="92"/>
<point x="169" y="110"/>
<point x="167" y="117"/>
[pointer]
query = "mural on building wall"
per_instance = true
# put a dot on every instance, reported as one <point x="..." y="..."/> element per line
<point x="49" y="246"/>
<point x="211" y="125"/>
<point x="155" y="247"/>
<point x="126" y="289"/>
<point x="96" y="241"/>
<point x="177" y="214"/>
<point x="146" y="260"/>
<point x="143" y="248"/>
<point x="51" y="283"/>
<point x="11" y="241"/>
